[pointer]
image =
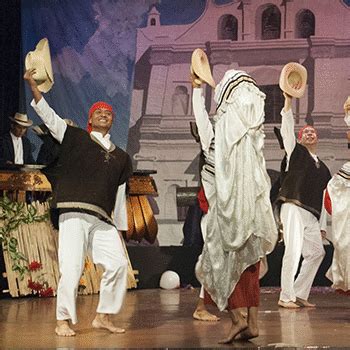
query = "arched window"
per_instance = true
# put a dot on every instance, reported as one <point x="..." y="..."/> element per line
<point x="228" y="28"/>
<point x="305" y="24"/>
<point x="180" y="101"/>
<point x="153" y="22"/>
<point x="271" y="23"/>
<point x="273" y="103"/>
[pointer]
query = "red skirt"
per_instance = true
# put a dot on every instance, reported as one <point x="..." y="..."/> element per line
<point x="246" y="292"/>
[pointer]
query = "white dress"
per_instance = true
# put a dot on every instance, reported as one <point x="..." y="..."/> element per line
<point x="241" y="228"/>
<point x="339" y="193"/>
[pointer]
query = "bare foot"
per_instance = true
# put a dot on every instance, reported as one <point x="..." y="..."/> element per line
<point x="288" y="304"/>
<point x="204" y="315"/>
<point x="237" y="327"/>
<point x="304" y="303"/>
<point x="243" y="311"/>
<point x="102" y="321"/>
<point x="247" y="334"/>
<point x="63" y="330"/>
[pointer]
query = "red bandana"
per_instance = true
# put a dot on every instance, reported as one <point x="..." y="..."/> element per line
<point x="94" y="107"/>
<point x="300" y="133"/>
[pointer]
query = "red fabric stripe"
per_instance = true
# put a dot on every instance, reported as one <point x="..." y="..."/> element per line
<point x="328" y="203"/>
<point x="203" y="203"/>
<point x="246" y="292"/>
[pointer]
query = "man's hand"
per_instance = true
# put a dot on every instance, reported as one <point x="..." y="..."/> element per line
<point x="28" y="77"/>
<point x="347" y="105"/>
<point x="195" y="80"/>
<point x="287" y="102"/>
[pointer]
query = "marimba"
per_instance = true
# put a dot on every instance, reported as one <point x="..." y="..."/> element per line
<point x="38" y="240"/>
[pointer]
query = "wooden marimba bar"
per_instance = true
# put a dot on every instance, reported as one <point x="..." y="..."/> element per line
<point x="141" y="221"/>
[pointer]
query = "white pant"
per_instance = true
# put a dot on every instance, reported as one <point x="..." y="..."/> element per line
<point x="204" y="234"/>
<point x="78" y="233"/>
<point x="302" y="236"/>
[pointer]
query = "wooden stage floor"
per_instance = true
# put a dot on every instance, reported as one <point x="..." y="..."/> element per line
<point x="157" y="318"/>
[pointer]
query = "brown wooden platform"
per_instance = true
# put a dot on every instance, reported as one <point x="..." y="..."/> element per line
<point x="157" y="318"/>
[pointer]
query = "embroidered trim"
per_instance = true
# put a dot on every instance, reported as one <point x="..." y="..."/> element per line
<point x="344" y="174"/>
<point x="231" y="85"/>
<point x="87" y="206"/>
<point x="299" y="204"/>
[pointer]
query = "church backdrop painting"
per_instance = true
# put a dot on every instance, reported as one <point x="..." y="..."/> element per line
<point x="136" y="56"/>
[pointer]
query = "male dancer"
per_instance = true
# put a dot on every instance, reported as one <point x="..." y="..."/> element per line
<point x="301" y="196"/>
<point x="90" y="183"/>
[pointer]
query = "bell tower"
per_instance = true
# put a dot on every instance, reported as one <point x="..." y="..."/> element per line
<point x="153" y="18"/>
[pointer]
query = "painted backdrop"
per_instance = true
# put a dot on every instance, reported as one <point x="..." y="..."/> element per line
<point x="135" y="54"/>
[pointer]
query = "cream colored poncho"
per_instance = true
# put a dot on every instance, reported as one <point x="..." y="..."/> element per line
<point x="339" y="192"/>
<point x="240" y="224"/>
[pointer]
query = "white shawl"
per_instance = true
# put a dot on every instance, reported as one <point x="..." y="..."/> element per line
<point x="240" y="228"/>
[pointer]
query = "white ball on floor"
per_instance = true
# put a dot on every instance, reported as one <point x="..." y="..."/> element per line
<point x="169" y="280"/>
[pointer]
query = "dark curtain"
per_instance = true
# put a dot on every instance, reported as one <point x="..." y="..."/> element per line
<point x="10" y="53"/>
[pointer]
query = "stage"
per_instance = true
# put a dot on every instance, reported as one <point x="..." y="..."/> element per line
<point x="156" y="318"/>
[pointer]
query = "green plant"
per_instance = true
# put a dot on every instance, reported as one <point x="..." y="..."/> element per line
<point x="13" y="214"/>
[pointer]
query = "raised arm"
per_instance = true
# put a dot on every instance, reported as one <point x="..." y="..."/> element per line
<point x="287" y="127"/>
<point x="205" y="128"/>
<point x="347" y="118"/>
<point x="347" y="107"/>
<point x="55" y="123"/>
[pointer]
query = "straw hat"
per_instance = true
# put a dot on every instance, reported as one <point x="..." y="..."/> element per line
<point x="40" y="130"/>
<point x="21" y="119"/>
<point x="40" y="59"/>
<point x="200" y="66"/>
<point x="293" y="79"/>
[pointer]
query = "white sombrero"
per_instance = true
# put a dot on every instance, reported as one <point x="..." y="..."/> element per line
<point x="21" y="119"/>
<point x="293" y="79"/>
<point x="40" y="59"/>
<point x="200" y="66"/>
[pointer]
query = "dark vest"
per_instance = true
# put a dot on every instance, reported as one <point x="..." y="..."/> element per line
<point x="87" y="176"/>
<point x="303" y="184"/>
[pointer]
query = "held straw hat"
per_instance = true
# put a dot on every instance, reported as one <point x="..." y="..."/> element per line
<point x="200" y="66"/>
<point x="40" y="59"/>
<point x="293" y="79"/>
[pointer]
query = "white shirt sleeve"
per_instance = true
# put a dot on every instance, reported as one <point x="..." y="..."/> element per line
<point x="205" y="128"/>
<point x="120" y="214"/>
<point x="55" y="123"/>
<point x="323" y="217"/>
<point x="287" y="133"/>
